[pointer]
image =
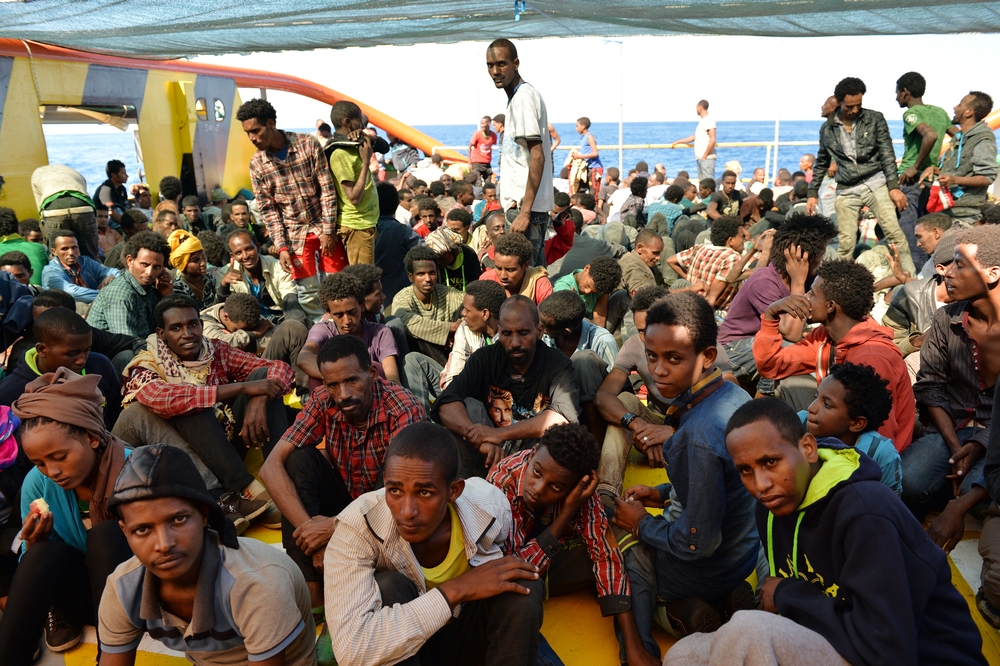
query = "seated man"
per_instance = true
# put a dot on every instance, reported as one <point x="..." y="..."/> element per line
<point x="696" y="556"/>
<point x="591" y="348"/>
<point x="796" y="253"/>
<point x="552" y="500"/>
<point x="343" y="300"/>
<point x="356" y="413"/>
<point x="853" y="575"/>
<point x="159" y="492"/>
<point x="839" y="300"/>
<point x="509" y="394"/>
<point x="81" y="277"/>
<point x="370" y="278"/>
<point x="457" y="262"/>
<point x="19" y="266"/>
<point x="929" y="231"/>
<point x="479" y="328"/>
<point x="451" y="534"/>
<point x="63" y="340"/>
<point x="669" y="205"/>
<point x="261" y="276"/>
<point x="133" y="222"/>
<point x="709" y="264"/>
<point x="640" y="266"/>
<point x="851" y="403"/>
<point x="512" y="268"/>
<point x="126" y="305"/>
<point x="217" y="399"/>
<point x="594" y="283"/>
<point x="428" y="311"/>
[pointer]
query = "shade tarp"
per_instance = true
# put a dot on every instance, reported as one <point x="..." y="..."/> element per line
<point x="159" y="29"/>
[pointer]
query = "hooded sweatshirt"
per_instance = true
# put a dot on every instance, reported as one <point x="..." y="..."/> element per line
<point x="867" y="344"/>
<point x="862" y="572"/>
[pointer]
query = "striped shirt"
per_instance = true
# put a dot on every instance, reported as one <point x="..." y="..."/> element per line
<point x="433" y="323"/>
<point x="590" y="524"/>
<point x="296" y="196"/>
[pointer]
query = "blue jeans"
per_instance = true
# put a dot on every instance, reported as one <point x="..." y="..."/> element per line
<point x="925" y="468"/>
<point x="740" y="354"/>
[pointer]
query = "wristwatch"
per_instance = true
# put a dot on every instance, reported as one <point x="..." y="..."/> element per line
<point x="627" y="418"/>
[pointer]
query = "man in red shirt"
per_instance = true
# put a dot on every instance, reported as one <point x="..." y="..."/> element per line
<point x="481" y="150"/>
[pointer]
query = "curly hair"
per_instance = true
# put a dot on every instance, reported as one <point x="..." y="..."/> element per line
<point x="514" y="245"/>
<point x="639" y="186"/>
<point x="865" y="393"/>
<point x="243" y="309"/>
<point x="849" y="86"/>
<point x="436" y="189"/>
<point x="690" y="311"/>
<point x="339" y="286"/>
<point x="366" y="274"/>
<point x="674" y="194"/>
<point x="850" y="285"/>
<point x="606" y="274"/>
<point x="913" y="82"/>
<point x="147" y="240"/>
<point x="646" y="296"/>
<point x="812" y="233"/>
<point x="172" y="302"/>
<point x="215" y="249"/>
<point x="29" y="225"/>
<point x="15" y="258"/>
<point x="725" y="228"/>
<point x="486" y="295"/>
<point x="572" y="447"/>
<point x="427" y="203"/>
<point x="8" y="221"/>
<point x="991" y="214"/>
<point x="132" y="217"/>
<point x="565" y="307"/>
<point x="418" y="253"/>
<point x="170" y="188"/>
<point x="259" y="109"/>
<point x="987" y="241"/>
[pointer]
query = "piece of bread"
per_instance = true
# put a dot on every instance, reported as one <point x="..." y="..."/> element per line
<point x="40" y="506"/>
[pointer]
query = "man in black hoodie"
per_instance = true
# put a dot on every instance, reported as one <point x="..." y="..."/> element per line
<point x="853" y="574"/>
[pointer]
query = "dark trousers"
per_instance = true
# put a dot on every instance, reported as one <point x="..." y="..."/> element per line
<point x="53" y="574"/>
<point x="285" y="344"/>
<point x="498" y="631"/>
<point x="84" y="225"/>
<point x="322" y="492"/>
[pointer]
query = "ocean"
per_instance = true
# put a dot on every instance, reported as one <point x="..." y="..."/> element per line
<point x="88" y="153"/>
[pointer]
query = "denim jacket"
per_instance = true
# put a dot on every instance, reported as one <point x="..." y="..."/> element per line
<point x="714" y="533"/>
<point x="874" y="152"/>
<point x="56" y="276"/>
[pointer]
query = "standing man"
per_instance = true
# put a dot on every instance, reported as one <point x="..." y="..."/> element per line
<point x="481" y="150"/>
<point x="296" y="197"/>
<point x="924" y="129"/>
<point x="526" y="192"/>
<point x="859" y="140"/>
<point x="61" y="196"/>
<point x="704" y="142"/>
<point x="112" y="192"/>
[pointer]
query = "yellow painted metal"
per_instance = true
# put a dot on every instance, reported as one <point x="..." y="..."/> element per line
<point x="60" y="82"/>
<point x="236" y="175"/>
<point x="22" y="140"/>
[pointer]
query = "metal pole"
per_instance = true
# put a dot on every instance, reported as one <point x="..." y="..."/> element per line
<point x="767" y="164"/>
<point x="777" y="133"/>
<point x="621" y="105"/>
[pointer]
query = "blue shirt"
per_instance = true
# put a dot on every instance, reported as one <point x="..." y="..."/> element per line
<point x="593" y="162"/>
<point x="57" y="276"/>
<point x="595" y="338"/>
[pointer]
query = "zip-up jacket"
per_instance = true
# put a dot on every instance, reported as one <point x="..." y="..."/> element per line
<point x="873" y="153"/>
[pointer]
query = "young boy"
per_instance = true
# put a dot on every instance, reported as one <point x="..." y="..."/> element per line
<point x="417" y="569"/>
<point x="552" y="499"/>
<point x="853" y="574"/>
<point x="237" y="322"/>
<point x="428" y="216"/>
<point x="709" y="264"/>
<point x="192" y="584"/>
<point x="698" y="555"/>
<point x="594" y="283"/>
<point x="512" y="267"/>
<point x="479" y="327"/>
<point x="357" y="204"/>
<point x="852" y="402"/>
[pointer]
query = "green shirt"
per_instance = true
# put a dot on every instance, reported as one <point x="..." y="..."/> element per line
<point x="937" y="119"/>
<point x="345" y="163"/>
<point x="37" y="253"/>
<point x="568" y="282"/>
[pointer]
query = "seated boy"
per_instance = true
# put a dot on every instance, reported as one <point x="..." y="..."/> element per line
<point x="428" y="216"/>
<point x="840" y="299"/>
<point x="371" y="279"/>
<point x="415" y="573"/>
<point x="593" y="283"/>
<point x="698" y="555"/>
<point x="512" y="268"/>
<point x="551" y="493"/>
<point x="192" y="584"/>
<point x="851" y="403"/>
<point x="853" y="574"/>
<point x="709" y="264"/>
<point x="457" y="262"/>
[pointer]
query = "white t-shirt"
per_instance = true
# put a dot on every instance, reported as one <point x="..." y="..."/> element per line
<point x="616" y="199"/>
<point x="655" y="193"/>
<point x="701" y="137"/>
<point x="526" y="119"/>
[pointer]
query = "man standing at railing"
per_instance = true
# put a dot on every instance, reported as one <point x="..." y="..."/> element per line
<point x="859" y="140"/>
<point x="525" y="160"/>
<point x="481" y="150"/>
<point x="704" y="142"/>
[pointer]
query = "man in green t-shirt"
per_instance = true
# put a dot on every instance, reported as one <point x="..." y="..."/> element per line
<point x="924" y="129"/>
<point x="357" y="205"/>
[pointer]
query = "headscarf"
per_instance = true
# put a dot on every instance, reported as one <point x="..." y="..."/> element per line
<point x="66" y="397"/>
<point x="182" y="245"/>
<point x="443" y="240"/>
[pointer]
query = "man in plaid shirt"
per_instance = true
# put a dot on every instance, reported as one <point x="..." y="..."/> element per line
<point x="355" y="413"/>
<point x="125" y="306"/>
<point x="709" y="264"/>
<point x="297" y="198"/>
<point x="552" y="499"/>
<point x="208" y="398"/>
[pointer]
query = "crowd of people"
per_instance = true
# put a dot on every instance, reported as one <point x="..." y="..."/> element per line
<point x="447" y="368"/>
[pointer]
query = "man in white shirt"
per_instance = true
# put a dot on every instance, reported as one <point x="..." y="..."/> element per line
<point x="526" y="159"/>
<point x="704" y="142"/>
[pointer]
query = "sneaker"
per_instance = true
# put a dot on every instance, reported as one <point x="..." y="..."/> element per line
<point x="239" y="522"/>
<point x="740" y="598"/>
<point x="271" y="518"/>
<point x="989" y="612"/>
<point x="692" y="616"/>
<point x="248" y="508"/>
<point x="60" y="633"/>
<point x="255" y="491"/>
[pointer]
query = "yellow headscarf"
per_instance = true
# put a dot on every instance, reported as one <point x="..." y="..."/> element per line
<point x="182" y="245"/>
